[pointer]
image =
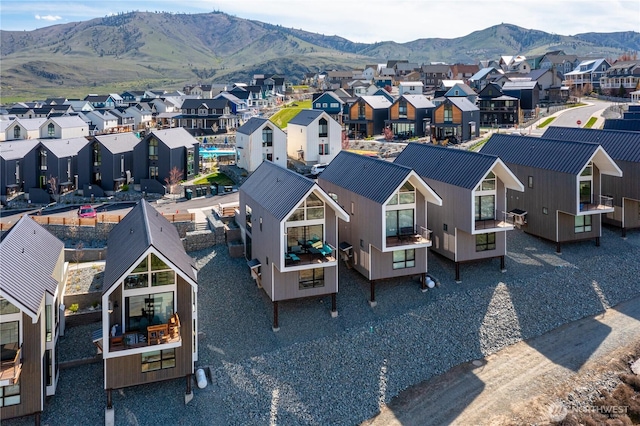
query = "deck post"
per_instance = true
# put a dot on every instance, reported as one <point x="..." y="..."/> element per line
<point x="37" y="418"/>
<point x="458" y="272"/>
<point x="624" y="232"/>
<point x="558" y="249"/>
<point x="334" y="305"/>
<point x="109" y="400"/>
<point x="597" y="241"/>
<point x="372" y="301"/>
<point x="423" y="282"/>
<point x="502" y="268"/>
<point x="276" y="326"/>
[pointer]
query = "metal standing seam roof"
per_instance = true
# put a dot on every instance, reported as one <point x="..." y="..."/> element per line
<point x="119" y="142"/>
<point x="452" y="166"/>
<point x="17" y="149"/>
<point x="28" y="258"/>
<point x="141" y="228"/>
<point x="632" y="125"/>
<point x="463" y="103"/>
<point x="377" y="102"/>
<point x="619" y="144"/>
<point x="251" y="125"/>
<point x="519" y="85"/>
<point x="62" y="148"/>
<point x="70" y="121"/>
<point x="306" y="117"/>
<point x="548" y="154"/>
<point x="175" y="138"/>
<point x="30" y="123"/>
<point x="371" y="178"/>
<point x="276" y="189"/>
<point x="418" y="101"/>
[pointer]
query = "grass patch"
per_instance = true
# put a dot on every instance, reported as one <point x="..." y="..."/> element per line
<point x="545" y="123"/>
<point x="286" y="113"/>
<point x="476" y="146"/>
<point x="215" y="177"/>
<point x="591" y="122"/>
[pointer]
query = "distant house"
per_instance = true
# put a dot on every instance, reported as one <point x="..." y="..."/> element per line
<point x="163" y="150"/>
<point x="587" y="74"/>
<point x="64" y="128"/>
<point x="497" y="109"/>
<point x="18" y="161"/>
<point x="559" y="62"/>
<point x="34" y="274"/>
<point x="471" y="224"/>
<point x="149" y="305"/>
<point x="103" y="120"/>
<point x="622" y="74"/>
<point x="142" y="115"/>
<point x="101" y="101"/>
<point x="462" y="90"/>
<point x="208" y="116"/>
<point x="410" y="116"/>
<point x="624" y="149"/>
<point x="126" y="120"/>
<point x="563" y="199"/>
<point x="479" y="80"/>
<point x="434" y="74"/>
<point x="456" y="120"/>
<point x="367" y="116"/>
<point x="527" y="91"/>
<point x="410" y="88"/>
<point x="330" y="103"/>
<point x="289" y="227"/>
<point x="258" y="140"/>
<point x="313" y="137"/>
<point x="112" y="161"/>
<point x="387" y="235"/>
<point x="24" y="128"/>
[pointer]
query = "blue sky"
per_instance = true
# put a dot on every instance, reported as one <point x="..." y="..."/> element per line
<point x="357" y="20"/>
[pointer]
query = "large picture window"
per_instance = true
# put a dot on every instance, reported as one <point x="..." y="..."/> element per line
<point x="399" y="222"/>
<point x="267" y="136"/>
<point x="311" y="278"/>
<point x="323" y="128"/>
<point x="153" y="149"/>
<point x="486" y="242"/>
<point x="148" y="309"/>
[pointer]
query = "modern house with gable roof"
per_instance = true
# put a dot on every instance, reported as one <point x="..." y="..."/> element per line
<point x="367" y="115"/>
<point x="18" y="166"/>
<point x="456" y="120"/>
<point x="162" y="150"/>
<point x="289" y="226"/>
<point x="624" y="148"/>
<point x="64" y="127"/>
<point x="387" y="235"/>
<point x="24" y="128"/>
<point x="149" y="304"/>
<point x="563" y="199"/>
<point x="330" y="103"/>
<point x="259" y="139"/>
<point x="112" y="161"/>
<point x="410" y="115"/>
<point x="313" y="137"/>
<point x="32" y="278"/>
<point x="472" y="222"/>
<point x="66" y="160"/>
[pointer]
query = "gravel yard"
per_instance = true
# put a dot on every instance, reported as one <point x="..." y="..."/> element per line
<point x="319" y="370"/>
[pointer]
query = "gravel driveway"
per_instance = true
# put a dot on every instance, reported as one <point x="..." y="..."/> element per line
<point x="319" y="370"/>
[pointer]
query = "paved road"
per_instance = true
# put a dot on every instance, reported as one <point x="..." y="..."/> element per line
<point x="511" y="381"/>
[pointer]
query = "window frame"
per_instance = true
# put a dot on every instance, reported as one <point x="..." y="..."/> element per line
<point x="408" y="259"/>
<point x="489" y="242"/>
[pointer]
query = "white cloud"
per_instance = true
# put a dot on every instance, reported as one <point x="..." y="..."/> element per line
<point x="51" y="18"/>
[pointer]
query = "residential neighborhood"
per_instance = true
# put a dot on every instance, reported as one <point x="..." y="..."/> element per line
<point x="278" y="251"/>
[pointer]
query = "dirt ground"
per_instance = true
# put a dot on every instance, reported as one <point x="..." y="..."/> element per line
<point x="540" y="381"/>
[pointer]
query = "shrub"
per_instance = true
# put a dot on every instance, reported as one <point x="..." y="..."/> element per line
<point x="125" y="187"/>
<point x="74" y="308"/>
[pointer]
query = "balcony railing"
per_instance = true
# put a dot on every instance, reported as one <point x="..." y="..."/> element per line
<point x="11" y="365"/>
<point x="410" y="236"/>
<point x="152" y="335"/>
<point x="502" y="220"/>
<point x="310" y="252"/>
<point x="600" y="202"/>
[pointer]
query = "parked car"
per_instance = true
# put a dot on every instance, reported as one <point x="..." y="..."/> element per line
<point x="316" y="169"/>
<point x="87" y="212"/>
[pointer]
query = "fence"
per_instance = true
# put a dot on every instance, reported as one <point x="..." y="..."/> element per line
<point x="101" y="218"/>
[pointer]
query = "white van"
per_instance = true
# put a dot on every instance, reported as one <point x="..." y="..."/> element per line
<point x="316" y="169"/>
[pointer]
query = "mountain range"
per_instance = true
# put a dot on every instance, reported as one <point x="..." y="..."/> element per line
<point x="140" y="50"/>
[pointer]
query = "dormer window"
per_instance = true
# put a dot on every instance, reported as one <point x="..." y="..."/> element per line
<point x="51" y="130"/>
<point x="16" y="132"/>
